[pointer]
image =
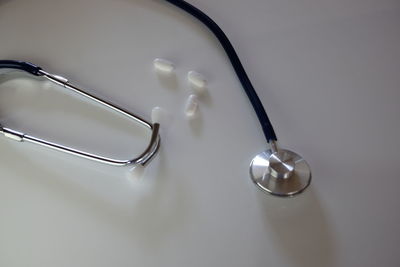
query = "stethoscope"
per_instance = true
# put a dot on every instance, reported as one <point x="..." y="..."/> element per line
<point x="277" y="171"/>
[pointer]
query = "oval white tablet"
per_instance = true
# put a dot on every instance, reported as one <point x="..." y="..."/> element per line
<point x="197" y="80"/>
<point x="191" y="107"/>
<point x="163" y="65"/>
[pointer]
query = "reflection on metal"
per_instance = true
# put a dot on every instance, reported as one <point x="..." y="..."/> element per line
<point x="280" y="172"/>
<point x="141" y="159"/>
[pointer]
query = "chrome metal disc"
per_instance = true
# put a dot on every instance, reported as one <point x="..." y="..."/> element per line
<point x="281" y="173"/>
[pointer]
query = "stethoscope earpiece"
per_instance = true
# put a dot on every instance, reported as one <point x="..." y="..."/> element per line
<point x="280" y="172"/>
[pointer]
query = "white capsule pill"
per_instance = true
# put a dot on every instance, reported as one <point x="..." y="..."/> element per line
<point x="163" y="65"/>
<point x="156" y="115"/>
<point x="197" y="80"/>
<point x="192" y="105"/>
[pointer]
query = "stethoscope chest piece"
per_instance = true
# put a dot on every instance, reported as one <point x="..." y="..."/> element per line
<point x="280" y="172"/>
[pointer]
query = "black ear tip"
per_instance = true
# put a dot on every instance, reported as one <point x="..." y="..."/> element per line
<point x="20" y="65"/>
<point x="32" y="68"/>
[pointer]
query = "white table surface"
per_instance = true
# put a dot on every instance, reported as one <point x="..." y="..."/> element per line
<point x="327" y="72"/>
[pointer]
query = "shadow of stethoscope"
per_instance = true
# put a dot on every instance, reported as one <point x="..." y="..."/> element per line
<point x="300" y="228"/>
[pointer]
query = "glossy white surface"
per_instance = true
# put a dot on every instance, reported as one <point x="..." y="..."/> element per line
<point x="327" y="72"/>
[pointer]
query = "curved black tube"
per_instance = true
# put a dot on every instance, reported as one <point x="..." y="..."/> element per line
<point x="226" y="44"/>
<point x="237" y="65"/>
<point x="20" y="65"/>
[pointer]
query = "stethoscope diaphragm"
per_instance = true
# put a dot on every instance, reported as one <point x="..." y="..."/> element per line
<point x="280" y="172"/>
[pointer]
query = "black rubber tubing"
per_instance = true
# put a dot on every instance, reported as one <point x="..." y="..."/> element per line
<point x="20" y="65"/>
<point x="226" y="44"/>
<point x="237" y="65"/>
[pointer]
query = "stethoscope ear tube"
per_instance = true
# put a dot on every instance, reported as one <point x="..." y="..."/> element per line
<point x="143" y="159"/>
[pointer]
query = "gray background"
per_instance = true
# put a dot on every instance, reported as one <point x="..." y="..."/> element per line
<point x="327" y="72"/>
